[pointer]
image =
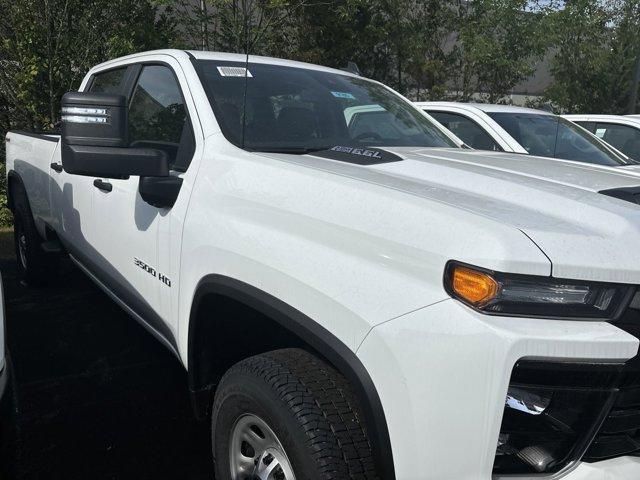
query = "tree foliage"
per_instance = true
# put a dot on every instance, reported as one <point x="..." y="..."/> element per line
<point x="47" y="46"/>
<point x="497" y="46"/>
<point x="596" y="46"/>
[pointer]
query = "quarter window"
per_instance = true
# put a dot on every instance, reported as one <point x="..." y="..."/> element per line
<point x="108" y="82"/>
<point x="467" y="130"/>
<point x="158" y="116"/>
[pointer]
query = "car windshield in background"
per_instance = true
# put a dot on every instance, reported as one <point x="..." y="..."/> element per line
<point x="552" y="136"/>
<point x="298" y="110"/>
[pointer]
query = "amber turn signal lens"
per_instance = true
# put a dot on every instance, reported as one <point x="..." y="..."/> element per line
<point x="475" y="287"/>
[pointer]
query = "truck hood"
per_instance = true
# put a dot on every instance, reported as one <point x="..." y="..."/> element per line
<point x="556" y="203"/>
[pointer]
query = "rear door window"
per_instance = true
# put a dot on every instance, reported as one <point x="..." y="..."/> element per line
<point x="552" y="136"/>
<point x="591" y="126"/>
<point x="625" y="138"/>
<point x="466" y="130"/>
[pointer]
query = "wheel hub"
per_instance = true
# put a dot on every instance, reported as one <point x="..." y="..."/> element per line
<point x="22" y="246"/>
<point x="256" y="453"/>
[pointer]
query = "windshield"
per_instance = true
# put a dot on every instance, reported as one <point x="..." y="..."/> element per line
<point x="296" y="110"/>
<point x="553" y="136"/>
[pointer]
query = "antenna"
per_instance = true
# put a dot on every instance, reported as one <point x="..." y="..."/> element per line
<point x="246" y="74"/>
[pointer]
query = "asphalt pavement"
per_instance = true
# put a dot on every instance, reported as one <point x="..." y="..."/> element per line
<point x="94" y="395"/>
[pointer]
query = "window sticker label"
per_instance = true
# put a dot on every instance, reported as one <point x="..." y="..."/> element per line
<point x="346" y="95"/>
<point x="600" y="132"/>
<point x="234" y="72"/>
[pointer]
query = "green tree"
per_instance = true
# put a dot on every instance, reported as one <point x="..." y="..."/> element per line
<point x="596" y="46"/>
<point x="497" y="45"/>
<point x="264" y="27"/>
<point x="47" y="46"/>
<point x="402" y="43"/>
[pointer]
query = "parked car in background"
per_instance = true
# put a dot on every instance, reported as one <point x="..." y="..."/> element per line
<point x="619" y="131"/>
<point x="522" y="130"/>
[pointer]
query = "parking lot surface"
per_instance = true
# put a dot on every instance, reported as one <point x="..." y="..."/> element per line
<point x="94" y="396"/>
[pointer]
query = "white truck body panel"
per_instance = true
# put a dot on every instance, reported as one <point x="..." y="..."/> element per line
<point x="361" y="250"/>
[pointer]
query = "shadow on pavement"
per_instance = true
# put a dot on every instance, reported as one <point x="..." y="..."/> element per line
<point x="95" y="396"/>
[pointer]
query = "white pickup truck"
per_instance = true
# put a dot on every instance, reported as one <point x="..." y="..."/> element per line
<point x="353" y="295"/>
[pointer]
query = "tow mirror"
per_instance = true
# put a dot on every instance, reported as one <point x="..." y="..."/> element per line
<point x="95" y="141"/>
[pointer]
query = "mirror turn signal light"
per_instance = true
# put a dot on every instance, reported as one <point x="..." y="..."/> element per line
<point x="475" y="287"/>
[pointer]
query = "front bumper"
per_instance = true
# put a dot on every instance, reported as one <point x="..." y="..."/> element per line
<point x="443" y="372"/>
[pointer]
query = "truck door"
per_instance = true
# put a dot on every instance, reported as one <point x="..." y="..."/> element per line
<point x="127" y="228"/>
<point x="71" y="195"/>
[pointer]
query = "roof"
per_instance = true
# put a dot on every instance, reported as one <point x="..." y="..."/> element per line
<point x="629" y="119"/>
<point x="239" y="57"/>
<point x="228" y="57"/>
<point x="485" y="107"/>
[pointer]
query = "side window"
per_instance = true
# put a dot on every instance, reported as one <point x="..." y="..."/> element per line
<point x="623" y="137"/>
<point x="108" y="82"/>
<point x="466" y="130"/>
<point x="591" y="126"/>
<point x="378" y="125"/>
<point x="158" y="116"/>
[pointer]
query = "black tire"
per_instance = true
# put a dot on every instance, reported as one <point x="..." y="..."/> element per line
<point x="35" y="267"/>
<point x="307" y="404"/>
<point x="10" y="458"/>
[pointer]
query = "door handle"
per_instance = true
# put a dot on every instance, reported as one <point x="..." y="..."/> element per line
<point x="101" y="185"/>
<point x="57" y="167"/>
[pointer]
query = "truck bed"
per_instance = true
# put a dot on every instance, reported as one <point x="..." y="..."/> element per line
<point x="30" y="155"/>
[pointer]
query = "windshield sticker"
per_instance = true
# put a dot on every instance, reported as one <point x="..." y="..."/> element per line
<point x="346" y="95"/>
<point x="234" y="72"/>
<point x="600" y="132"/>
<point x="358" y="155"/>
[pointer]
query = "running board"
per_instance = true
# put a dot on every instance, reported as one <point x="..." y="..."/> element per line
<point x="127" y="308"/>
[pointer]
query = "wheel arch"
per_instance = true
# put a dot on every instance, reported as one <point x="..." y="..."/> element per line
<point x="333" y="350"/>
<point x="13" y="179"/>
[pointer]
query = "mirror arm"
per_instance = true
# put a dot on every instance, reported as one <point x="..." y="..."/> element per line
<point x="160" y="192"/>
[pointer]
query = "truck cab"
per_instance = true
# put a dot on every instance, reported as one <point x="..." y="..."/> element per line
<point x="349" y="288"/>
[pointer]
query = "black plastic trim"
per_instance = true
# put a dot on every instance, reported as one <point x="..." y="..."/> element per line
<point x="15" y="176"/>
<point x="124" y="296"/>
<point x="335" y="351"/>
<point x="628" y="194"/>
<point x="102" y="185"/>
<point x="160" y="192"/>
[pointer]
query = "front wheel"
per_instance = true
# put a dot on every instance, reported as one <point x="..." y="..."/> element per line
<point x="287" y="415"/>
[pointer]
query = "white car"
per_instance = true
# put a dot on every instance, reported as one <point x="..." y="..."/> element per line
<point x="522" y="130"/>
<point x="620" y="131"/>
<point x="353" y="295"/>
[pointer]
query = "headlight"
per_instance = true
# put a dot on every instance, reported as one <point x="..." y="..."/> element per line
<point x="528" y="295"/>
